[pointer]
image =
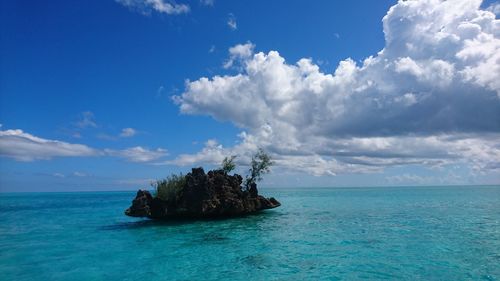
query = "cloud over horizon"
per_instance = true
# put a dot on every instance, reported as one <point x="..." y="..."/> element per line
<point x="22" y="146"/>
<point x="430" y="97"/>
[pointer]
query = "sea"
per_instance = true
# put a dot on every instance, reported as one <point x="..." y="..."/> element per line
<point x="377" y="233"/>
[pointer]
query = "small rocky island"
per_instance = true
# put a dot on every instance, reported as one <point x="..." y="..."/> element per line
<point x="206" y="195"/>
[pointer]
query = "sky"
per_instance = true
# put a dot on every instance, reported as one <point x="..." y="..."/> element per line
<point x="111" y="95"/>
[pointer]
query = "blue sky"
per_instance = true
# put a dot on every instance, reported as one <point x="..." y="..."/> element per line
<point x="109" y="95"/>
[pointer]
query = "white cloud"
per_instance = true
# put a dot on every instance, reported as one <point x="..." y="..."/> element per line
<point x="160" y="6"/>
<point x="212" y="153"/>
<point x="323" y="156"/>
<point x="231" y="22"/>
<point x="125" y="133"/>
<point x="412" y="179"/>
<point x="407" y="99"/>
<point x="22" y="146"/>
<point x="430" y="97"/>
<point x="240" y="52"/>
<point x="128" y="132"/>
<point x="79" y="174"/>
<point x="138" y="154"/>
<point x="408" y="178"/>
<point x="58" y="175"/>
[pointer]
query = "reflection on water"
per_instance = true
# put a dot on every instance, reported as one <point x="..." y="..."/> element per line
<point x="145" y="222"/>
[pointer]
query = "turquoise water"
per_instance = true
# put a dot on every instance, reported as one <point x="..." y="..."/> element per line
<point x="425" y="233"/>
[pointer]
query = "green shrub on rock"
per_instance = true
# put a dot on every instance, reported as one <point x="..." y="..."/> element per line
<point x="228" y="164"/>
<point x="260" y="165"/>
<point x="169" y="189"/>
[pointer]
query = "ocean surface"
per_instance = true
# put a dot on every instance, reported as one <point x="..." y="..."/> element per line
<point x="393" y="233"/>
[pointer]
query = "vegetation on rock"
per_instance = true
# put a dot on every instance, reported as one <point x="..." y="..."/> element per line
<point x="228" y="164"/>
<point x="201" y="195"/>
<point x="260" y="165"/>
<point x="169" y="189"/>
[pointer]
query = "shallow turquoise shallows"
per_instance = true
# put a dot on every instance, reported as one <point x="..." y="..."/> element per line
<point x="397" y="233"/>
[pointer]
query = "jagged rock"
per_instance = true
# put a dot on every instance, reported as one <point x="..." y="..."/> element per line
<point x="215" y="194"/>
<point x="140" y="205"/>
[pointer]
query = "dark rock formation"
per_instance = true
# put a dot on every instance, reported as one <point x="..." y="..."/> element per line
<point x="140" y="205"/>
<point x="215" y="194"/>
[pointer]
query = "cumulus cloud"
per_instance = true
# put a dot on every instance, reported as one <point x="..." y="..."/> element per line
<point x="138" y="154"/>
<point x="431" y="96"/>
<point x="239" y="53"/>
<point x="160" y="6"/>
<point x="213" y="153"/>
<point x="128" y="132"/>
<point x="322" y="156"/>
<point x="22" y="146"/>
